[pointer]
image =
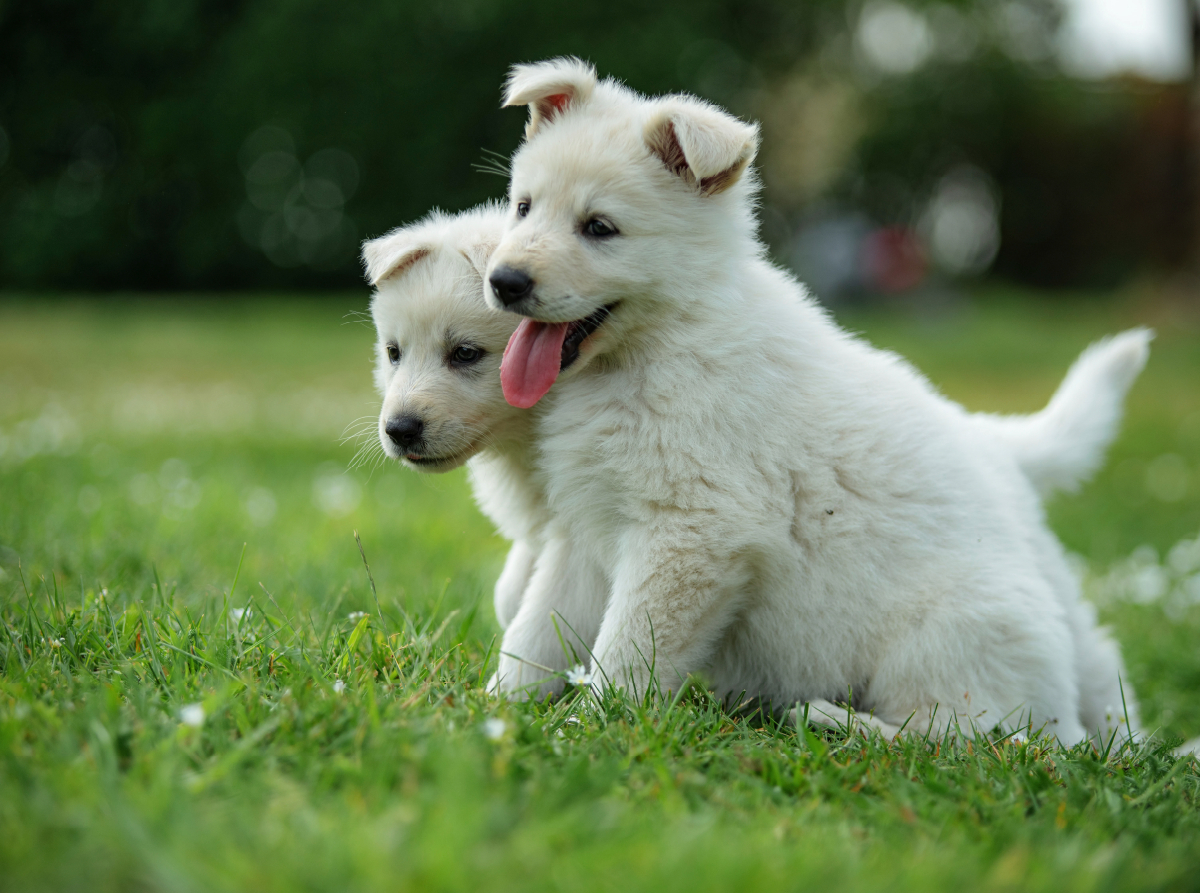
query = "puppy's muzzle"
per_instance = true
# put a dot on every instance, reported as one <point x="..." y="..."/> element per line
<point x="511" y="286"/>
<point x="405" y="431"/>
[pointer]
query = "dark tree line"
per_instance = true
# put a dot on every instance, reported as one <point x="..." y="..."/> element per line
<point x="235" y="144"/>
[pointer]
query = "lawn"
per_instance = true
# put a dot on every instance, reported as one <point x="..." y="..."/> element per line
<point x="201" y="689"/>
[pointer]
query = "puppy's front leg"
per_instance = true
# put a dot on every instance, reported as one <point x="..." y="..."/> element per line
<point x="673" y="596"/>
<point x="556" y="624"/>
<point x="510" y="587"/>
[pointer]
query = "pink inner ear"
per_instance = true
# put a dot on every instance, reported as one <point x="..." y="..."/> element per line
<point x="559" y="101"/>
<point x="671" y="152"/>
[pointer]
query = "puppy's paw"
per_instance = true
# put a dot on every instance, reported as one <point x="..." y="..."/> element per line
<point x="826" y="715"/>
<point x="497" y="687"/>
<point x="518" y="680"/>
<point x="821" y="714"/>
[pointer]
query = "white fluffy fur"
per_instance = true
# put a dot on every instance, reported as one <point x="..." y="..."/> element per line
<point x="773" y="502"/>
<point x="428" y="280"/>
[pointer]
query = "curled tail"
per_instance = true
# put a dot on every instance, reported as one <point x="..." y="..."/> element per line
<point x="1064" y="444"/>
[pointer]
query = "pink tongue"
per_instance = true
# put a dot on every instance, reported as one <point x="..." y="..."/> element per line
<point x="531" y="361"/>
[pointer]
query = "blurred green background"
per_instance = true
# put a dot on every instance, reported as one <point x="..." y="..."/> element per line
<point x="240" y="144"/>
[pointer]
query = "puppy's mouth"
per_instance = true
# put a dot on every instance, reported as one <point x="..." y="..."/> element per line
<point x="538" y="352"/>
<point x="433" y="463"/>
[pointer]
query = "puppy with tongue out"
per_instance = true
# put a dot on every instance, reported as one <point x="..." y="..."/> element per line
<point x="619" y="208"/>
<point x="773" y="503"/>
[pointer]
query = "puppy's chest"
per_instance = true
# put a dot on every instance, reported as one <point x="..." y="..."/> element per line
<point x="602" y="463"/>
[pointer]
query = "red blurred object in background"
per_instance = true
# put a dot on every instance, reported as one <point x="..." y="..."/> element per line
<point x="893" y="259"/>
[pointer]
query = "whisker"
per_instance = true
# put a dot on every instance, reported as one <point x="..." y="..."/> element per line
<point x="370" y="453"/>
<point x="494" y="163"/>
<point x="356" y="429"/>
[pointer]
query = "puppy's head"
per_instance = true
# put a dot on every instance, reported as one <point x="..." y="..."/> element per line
<point x="439" y="346"/>
<point x="621" y="207"/>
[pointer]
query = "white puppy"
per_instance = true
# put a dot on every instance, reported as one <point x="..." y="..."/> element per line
<point x="438" y="371"/>
<point x="775" y="503"/>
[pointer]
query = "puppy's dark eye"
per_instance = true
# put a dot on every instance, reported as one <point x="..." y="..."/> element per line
<point x="522" y="209"/>
<point x="465" y="355"/>
<point x="599" y="228"/>
<point x="393" y="353"/>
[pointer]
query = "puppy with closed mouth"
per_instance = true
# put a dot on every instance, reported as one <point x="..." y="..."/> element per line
<point x="777" y="504"/>
<point x="437" y="369"/>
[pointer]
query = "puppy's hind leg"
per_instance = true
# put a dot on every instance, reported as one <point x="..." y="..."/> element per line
<point x="824" y="714"/>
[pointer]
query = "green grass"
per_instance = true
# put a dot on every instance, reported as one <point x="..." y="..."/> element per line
<point x="142" y="448"/>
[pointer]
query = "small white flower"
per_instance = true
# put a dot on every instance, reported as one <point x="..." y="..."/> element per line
<point x="339" y="686"/>
<point x="192" y="715"/>
<point x="56" y="643"/>
<point x="356" y="616"/>
<point x="1019" y="737"/>
<point x="578" y="676"/>
<point x="494" y="729"/>
<point x="238" y="613"/>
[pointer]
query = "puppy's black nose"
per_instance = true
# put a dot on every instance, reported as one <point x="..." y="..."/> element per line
<point x="405" y="430"/>
<point x="511" y="286"/>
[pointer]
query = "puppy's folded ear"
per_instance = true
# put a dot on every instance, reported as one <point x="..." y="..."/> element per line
<point x="390" y="255"/>
<point x="549" y="88"/>
<point x="479" y="253"/>
<point x="701" y="143"/>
